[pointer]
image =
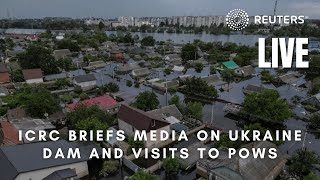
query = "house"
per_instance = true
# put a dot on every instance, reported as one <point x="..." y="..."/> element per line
<point x="8" y="134"/>
<point x="164" y="85"/>
<point x="313" y="101"/>
<point x="142" y="72"/>
<point x="229" y="65"/>
<point x="117" y="55"/>
<point x="237" y="168"/>
<point x="33" y="75"/>
<point x="95" y="65"/>
<point x="174" y="59"/>
<point x="125" y="68"/>
<point x="290" y="78"/>
<point x="61" y="53"/>
<point x="86" y="82"/>
<point x="105" y="103"/>
<point x="4" y="74"/>
<point x="250" y="89"/>
<point x="213" y="80"/>
<point x="25" y="161"/>
<point x="166" y="111"/>
<point x="131" y="119"/>
<point x="245" y="71"/>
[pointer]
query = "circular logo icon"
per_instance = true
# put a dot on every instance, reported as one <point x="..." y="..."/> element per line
<point x="237" y="19"/>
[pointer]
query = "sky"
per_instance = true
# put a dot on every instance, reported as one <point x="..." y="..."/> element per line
<point x="139" y="8"/>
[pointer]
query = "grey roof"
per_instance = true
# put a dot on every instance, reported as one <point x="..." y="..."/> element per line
<point x="28" y="157"/>
<point x="166" y="111"/>
<point x="61" y="174"/>
<point x="85" y="78"/>
<point x="236" y="167"/>
<point x="55" y="76"/>
<point x="141" y="72"/>
<point x="213" y="80"/>
<point x="127" y="67"/>
<point x="246" y="71"/>
<point x="254" y="89"/>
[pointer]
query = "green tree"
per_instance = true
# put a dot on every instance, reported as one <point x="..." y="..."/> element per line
<point x="194" y="110"/>
<point x="66" y="98"/>
<point x="198" y="86"/>
<point x="314" y="122"/>
<point x="148" y="41"/>
<point x="266" y="76"/>
<point x="88" y="112"/>
<point x="302" y="162"/>
<point x="171" y="166"/>
<point x="129" y="83"/>
<point x="267" y="106"/>
<point x="16" y="75"/>
<point x="62" y="82"/>
<point x="174" y="100"/>
<point x="311" y="176"/>
<point x="83" y="96"/>
<point x="228" y="75"/>
<point x="225" y="142"/>
<point x="91" y="123"/>
<point x="77" y="89"/>
<point x="142" y="175"/>
<point x="110" y="167"/>
<point x="146" y="101"/>
<point x="68" y="44"/>
<point x="38" y="57"/>
<point x="65" y="64"/>
<point x="101" y="26"/>
<point x="198" y="67"/>
<point x="189" y="52"/>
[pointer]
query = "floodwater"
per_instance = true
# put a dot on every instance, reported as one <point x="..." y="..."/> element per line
<point x="213" y="113"/>
<point x="181" y="38"/>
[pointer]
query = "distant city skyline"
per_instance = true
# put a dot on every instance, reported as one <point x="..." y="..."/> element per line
<point x="151" y="8"/>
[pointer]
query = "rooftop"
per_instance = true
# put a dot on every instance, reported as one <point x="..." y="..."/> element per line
<point x="230" y="64"/>
<point x="85" y="78"/>
<point x="32" y="73"/>
<point x="104" y="102"/>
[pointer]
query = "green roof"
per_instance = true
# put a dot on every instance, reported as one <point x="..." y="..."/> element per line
<point x="230" y="64"/>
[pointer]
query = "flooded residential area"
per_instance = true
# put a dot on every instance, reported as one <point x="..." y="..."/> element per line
<point x="195" y="80"/>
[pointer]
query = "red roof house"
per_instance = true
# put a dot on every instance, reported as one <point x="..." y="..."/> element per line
<point x="9" y="134"/>
<point x="105" y="103"/>
<point x="4" y="74"/>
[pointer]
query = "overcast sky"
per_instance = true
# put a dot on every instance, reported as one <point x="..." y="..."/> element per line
<point x="114" y="8"/>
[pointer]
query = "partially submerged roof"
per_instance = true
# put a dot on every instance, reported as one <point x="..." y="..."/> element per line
<point x="104" y="102"/>
<point x="140" y="119"/>
<point x="230" y="64"/>
<point x="32" y="73"/>
<point x="246" y="71"/>
<point x="213" y="80"/>
<point x="141" y="72"/>
<point x="166" y="111"/>
<point x="85" y="78"/>
<point x="61" y="174"/>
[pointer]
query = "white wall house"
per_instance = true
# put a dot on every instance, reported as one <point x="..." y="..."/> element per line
<point x="32" y="76"/>
<point x="86" y="82"/>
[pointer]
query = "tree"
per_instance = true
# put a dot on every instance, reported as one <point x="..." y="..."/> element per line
<point x="199" y="87"/>
<point x="171" y="166"/>
<point x="314" y="122"/>
<point x="302" y="162"/>
<point x="148" y="41"/>
<point x="198" y="67"/>
<point x="266" y="76"/>
<point x="65" y="64"/>
<point x="83" y="112"/>
<point x="83" y="96"/>
<point x="110" y="167"/>
<point x="68" y="44"/>
<point x="228" y="75"/>
<point x="146" y="101"/>
<point x="174" y="100"/>
<point x="91" y="123"/>
<point x="62" y="82"/>
<point x="266" y="106"/>
<point x="16" y="75"/>
<point x="142" y="175"/>
<point x="225" y="142"/>
<point x="37" y="101"/>
<point x="101" y="26"/>
<point x="189" y="52"/>
<point x="77" y="89"/>
<point x="110" y="87"/>
<point x="38" y="57"/>
<point x="311" y="176"/>
<point x="167" y="71"/>
<point x="129" y="83"/>
<point x="194" y="110"/>
<point x="66" y="98"/>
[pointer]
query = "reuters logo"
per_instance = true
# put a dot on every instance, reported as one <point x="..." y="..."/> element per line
<point x="237" y="19"/>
